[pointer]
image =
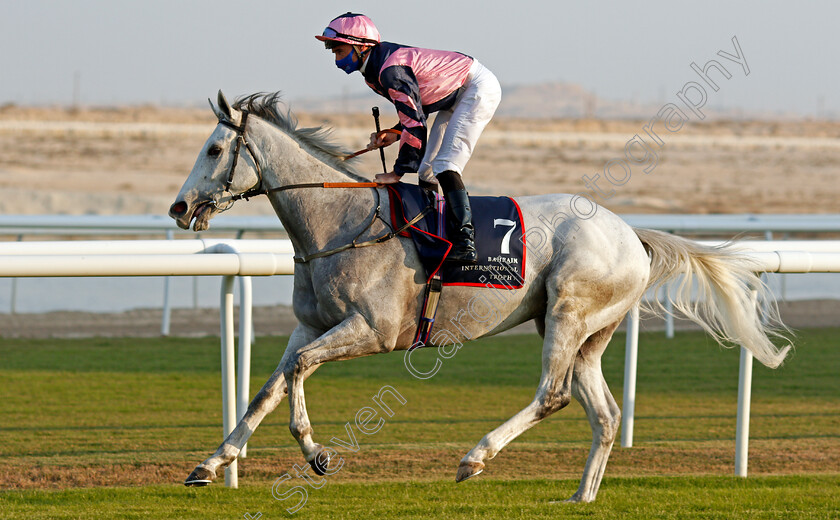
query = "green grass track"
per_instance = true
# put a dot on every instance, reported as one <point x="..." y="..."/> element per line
<point x="109" y="427"/>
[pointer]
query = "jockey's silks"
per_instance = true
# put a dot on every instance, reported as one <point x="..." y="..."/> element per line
<point x="418" y="82"/>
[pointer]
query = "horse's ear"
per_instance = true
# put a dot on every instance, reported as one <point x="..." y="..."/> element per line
<point x="216" y="111"/>
<point x="224" y="106"/>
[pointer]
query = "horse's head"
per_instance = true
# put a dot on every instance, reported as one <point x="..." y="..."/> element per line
<point x="226" y="167"/>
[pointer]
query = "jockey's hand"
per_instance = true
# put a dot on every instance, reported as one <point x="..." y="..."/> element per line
<point x="382" y="139"/>
<point x="387" y="178"/>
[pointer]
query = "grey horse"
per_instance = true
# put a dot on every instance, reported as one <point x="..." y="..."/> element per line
<point x="585" y="269"/>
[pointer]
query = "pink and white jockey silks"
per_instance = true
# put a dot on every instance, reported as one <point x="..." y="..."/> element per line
<point x="422" y="81"/>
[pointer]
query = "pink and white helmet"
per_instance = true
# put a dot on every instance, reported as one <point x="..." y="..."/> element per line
<point x="351" y="28"/>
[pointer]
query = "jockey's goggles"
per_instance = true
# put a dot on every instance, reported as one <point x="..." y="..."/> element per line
<point x="332" y="33"/>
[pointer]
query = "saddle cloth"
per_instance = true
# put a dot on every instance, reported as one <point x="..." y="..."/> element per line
<point x="499" y="238"/>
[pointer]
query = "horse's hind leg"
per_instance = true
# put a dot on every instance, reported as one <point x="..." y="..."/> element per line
<point x="564" y="335"/>
<point x="266" y="400"/>
<point x="590" y="389"/>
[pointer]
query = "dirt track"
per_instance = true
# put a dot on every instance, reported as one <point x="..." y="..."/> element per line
<point x="280" y="320"/>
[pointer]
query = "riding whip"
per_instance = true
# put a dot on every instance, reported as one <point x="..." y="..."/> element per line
<point x="381" y="150"/>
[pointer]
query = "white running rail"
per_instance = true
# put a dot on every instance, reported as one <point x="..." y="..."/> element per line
<point x="23" y="225"/>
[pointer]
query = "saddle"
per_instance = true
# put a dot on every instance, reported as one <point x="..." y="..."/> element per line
<point x="499" y="237"/>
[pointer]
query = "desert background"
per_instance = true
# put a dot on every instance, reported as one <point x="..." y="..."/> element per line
<point x="133" y="159"/>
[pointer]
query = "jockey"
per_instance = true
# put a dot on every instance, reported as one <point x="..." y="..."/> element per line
<point x="419" y="82"/>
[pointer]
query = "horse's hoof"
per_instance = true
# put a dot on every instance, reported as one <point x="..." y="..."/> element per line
<point x="574" y="499"/>
<point x="468" y="470"/>
<point x="321" y="463"/>
<point x="200" y="477"/>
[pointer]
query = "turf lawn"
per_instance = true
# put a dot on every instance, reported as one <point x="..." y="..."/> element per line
<point x="108" y="428"/>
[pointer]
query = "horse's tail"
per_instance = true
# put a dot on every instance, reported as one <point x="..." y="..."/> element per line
<point x="723" y="281"/>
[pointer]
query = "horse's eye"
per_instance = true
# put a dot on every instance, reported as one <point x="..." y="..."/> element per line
<point x="214" y="150"/>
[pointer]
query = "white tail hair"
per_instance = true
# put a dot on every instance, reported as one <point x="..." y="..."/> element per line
<point x="724" y="281"/>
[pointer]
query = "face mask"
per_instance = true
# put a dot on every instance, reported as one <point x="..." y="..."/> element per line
<point x="347" y="64"/>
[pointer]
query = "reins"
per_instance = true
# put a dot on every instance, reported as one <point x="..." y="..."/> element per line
<point x="256" y="191"/>
<point x="260" y="190"/>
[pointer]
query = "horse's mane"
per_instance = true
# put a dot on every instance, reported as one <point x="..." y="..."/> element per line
<point x="315" y="140"/>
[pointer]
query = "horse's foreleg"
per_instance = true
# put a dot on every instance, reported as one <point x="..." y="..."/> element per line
<point x="563" y="337"/>
<point x="263" y="403"/>
<point x="352" y="338"/>
<point x="266" y="400"/>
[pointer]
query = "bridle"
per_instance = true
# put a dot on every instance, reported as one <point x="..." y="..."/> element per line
<point x="259" y="189"/>
<point x="240" y="140"/>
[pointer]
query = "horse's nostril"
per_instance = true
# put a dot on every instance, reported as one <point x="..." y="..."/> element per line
<point x="178" y="209"/>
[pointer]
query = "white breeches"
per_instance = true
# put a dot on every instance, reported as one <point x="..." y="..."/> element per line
<point x="454" y="133"/>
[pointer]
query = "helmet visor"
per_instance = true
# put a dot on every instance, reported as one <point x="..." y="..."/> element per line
<point x="331" y="34"/>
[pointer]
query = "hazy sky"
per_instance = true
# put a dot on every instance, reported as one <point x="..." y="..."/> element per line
<point x="181" y="52"/>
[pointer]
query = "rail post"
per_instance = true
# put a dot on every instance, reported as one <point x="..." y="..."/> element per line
<point x="228" y="372"/>
<point x="166" y="320"/>
<point x="631" y="354"/>
<point x="243" y="391"/>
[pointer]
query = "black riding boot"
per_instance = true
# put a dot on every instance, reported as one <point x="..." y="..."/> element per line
<point x="460" y="227"/>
